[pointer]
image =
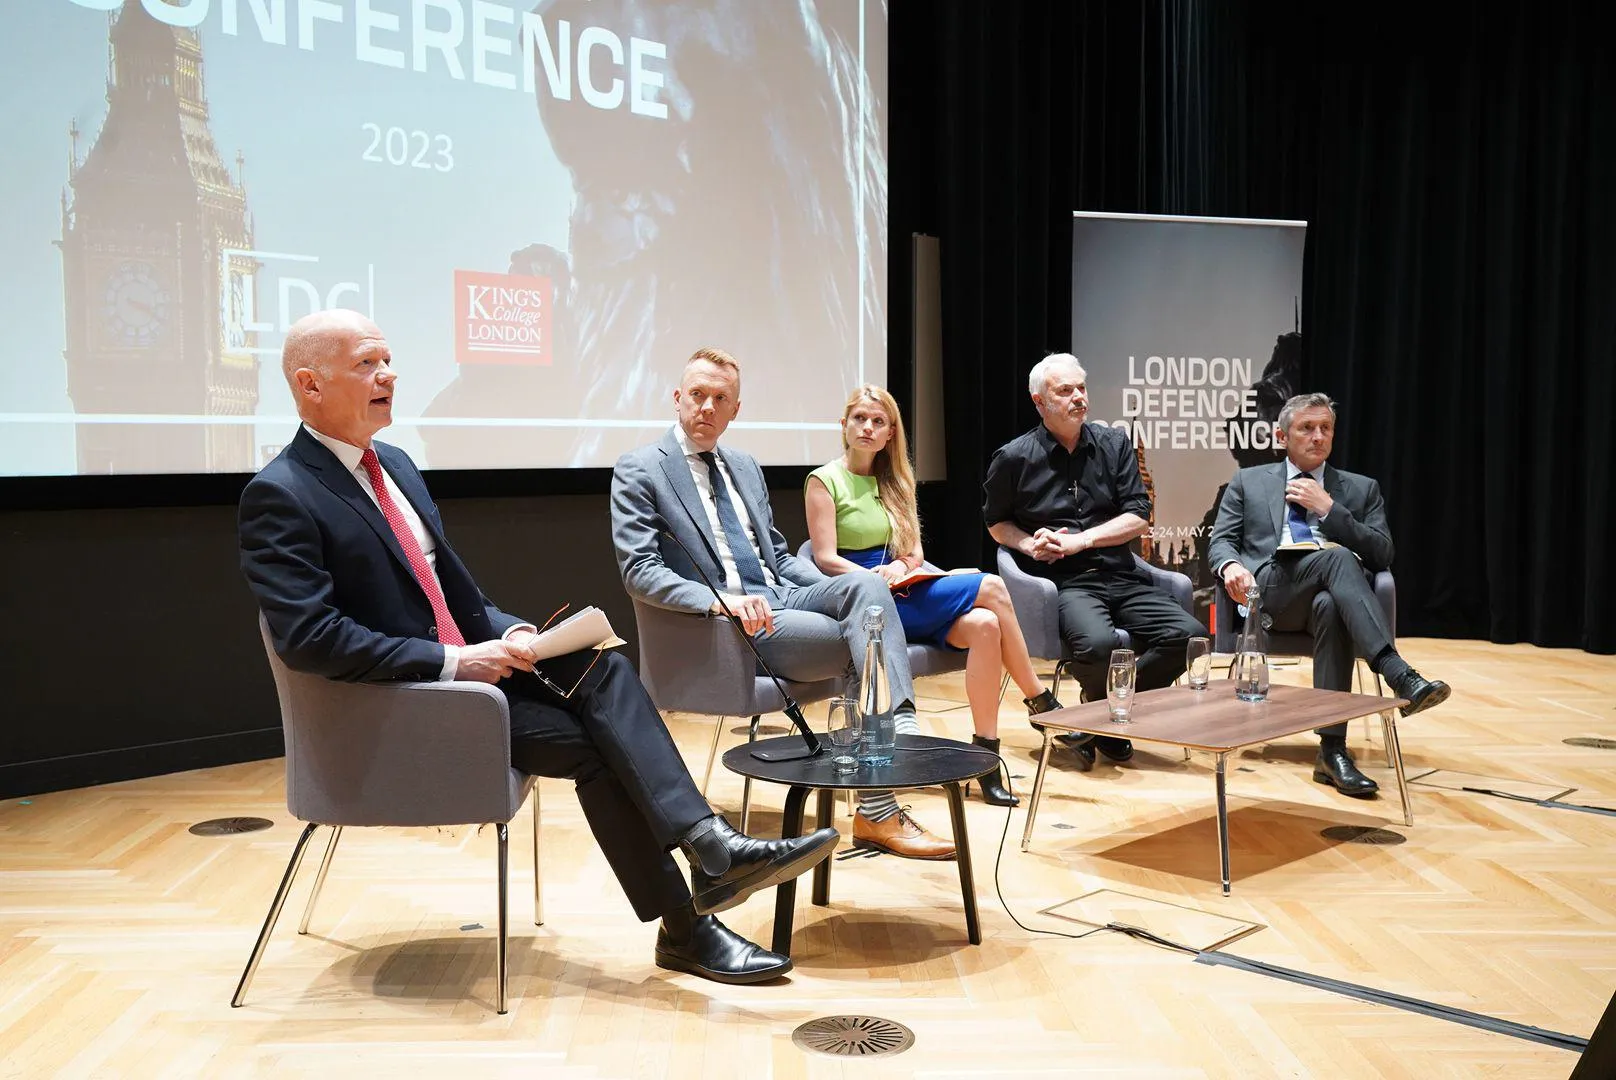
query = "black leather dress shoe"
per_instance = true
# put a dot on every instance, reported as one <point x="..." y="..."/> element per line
<point x="728" y="866"/>
<point x="1081" y="744"/>
<point x="1336" y="768"/>
<point x="1114" y="748"/>
<point x="1421" y="692"/>
<point x="716" y="952"/>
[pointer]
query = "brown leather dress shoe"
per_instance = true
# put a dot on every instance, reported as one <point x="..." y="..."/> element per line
<point x="900" y="835"/>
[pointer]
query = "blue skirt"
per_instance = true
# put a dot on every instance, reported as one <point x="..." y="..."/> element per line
<point x="928" y="609"/>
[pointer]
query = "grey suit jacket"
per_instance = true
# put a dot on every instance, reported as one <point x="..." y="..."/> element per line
<point x="652" y="490"/>
<point x="1251" y="518"/>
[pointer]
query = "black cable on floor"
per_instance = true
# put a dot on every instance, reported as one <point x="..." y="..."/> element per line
<point x="1552" y="804"/>
<point x="1556" y="1039"/>
<point x="998" y="860"/>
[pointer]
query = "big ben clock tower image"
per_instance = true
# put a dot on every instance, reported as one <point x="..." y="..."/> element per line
<point x="154" y="241"/>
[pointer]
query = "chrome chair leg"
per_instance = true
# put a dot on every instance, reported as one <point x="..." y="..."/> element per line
<point x="1380" y="691"/>
<point x="538" y="878"/>
<point x="1357" y="687"/>
<point x="712" y="753"/>
<point x="504" y="923"/>
<point x="1060" y="668"/>
<point x="274" y="913"/>
<point x="319" y="879"/>
<point x="746" y="784"/>
<point x="1004" y="684"/>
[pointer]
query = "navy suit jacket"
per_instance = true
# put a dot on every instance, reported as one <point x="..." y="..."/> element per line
<point x="332" y="580"/>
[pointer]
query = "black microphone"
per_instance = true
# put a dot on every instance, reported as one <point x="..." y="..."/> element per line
<point x="792" y="709"/>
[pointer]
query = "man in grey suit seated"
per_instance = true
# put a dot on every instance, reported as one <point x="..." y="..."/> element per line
<point x="807" y="626"/>
<point x="1267" y="511"/>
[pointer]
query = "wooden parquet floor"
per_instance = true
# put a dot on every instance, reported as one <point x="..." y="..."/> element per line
<point x="122" y="935"/>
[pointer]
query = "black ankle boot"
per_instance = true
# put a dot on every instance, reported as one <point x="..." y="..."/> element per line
<point x="1080" y="741"/>
<point x="994" y="793"/>
<point x="1044" y="702"/>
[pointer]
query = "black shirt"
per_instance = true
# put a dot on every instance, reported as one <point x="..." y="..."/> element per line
<point x="1034" y="483"/>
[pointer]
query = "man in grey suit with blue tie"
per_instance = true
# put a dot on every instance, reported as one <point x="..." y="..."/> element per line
<point x="807" y="626"/>
<point x="1268" y="515"/>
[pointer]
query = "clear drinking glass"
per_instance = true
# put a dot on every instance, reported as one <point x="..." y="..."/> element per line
<point x="845" y="727"/>
<point x="1198" y="662"/>
<point x="1119" y="678"/>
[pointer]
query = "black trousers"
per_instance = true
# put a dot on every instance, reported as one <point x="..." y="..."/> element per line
<point x="1094" y="605"/>
<point x="635" y="791"/>
<point x="1330" y="595"/>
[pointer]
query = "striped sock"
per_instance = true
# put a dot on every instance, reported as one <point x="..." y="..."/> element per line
<point x="877" y="805"/>
<point x="880" y="805"/>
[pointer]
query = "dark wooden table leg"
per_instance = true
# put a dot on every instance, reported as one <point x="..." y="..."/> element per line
<point x="962" y="854"/>
<point x="785" y="896"/>
<point x="825" y="807"/>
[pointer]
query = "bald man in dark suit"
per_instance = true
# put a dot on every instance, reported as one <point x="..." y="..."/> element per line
<point x="346" y="554"/>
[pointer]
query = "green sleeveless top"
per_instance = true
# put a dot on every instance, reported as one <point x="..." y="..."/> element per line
<point x="861" y="520"/>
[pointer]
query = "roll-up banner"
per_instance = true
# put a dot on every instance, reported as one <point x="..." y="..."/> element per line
<point x="1189" y="331"/>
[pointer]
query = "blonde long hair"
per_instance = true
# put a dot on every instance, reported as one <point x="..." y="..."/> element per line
<point x="894" y="476"/>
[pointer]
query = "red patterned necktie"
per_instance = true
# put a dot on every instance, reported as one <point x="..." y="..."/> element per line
<point x="448" y="632"/>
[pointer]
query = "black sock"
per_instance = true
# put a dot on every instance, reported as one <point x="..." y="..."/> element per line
<point x="679" y="923"/>
<point x="1389" y="666"/>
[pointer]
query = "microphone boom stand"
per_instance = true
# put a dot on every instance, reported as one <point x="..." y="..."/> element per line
<point x="811" y="747"/>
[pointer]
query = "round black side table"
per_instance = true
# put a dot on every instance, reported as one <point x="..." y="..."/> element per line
<point x="919" y="761"/>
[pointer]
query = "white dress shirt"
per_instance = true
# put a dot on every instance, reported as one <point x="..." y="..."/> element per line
<point x="350" y="456"/>
<point x="704" y="485"/>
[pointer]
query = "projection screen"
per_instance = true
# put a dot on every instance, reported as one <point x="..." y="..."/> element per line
<point x="547" y="207"/>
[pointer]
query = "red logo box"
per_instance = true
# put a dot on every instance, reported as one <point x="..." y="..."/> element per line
<point x="501" y="318"/>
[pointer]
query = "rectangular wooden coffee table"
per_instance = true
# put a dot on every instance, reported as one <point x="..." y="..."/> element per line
<point x="1216" y="721"/>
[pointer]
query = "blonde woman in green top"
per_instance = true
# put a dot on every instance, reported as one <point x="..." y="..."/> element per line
<point x="862" y="515"/>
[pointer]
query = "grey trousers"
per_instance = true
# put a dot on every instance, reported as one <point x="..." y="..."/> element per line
<point x="1328" y="594"/>
<point x="819" y="633"/>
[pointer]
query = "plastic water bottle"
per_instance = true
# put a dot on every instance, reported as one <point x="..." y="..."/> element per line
<point x="879" y="737"/>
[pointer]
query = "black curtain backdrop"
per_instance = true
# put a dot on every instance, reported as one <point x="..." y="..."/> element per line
<point x="1457" y="171"/>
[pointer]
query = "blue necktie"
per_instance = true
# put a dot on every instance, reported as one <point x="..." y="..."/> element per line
<point x="740" y="547"/>
<point x="1300" y="532"/>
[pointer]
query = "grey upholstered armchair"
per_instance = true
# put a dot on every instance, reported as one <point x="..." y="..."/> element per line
<point x="698" y="664"/>
<point x="401" y="754"/>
